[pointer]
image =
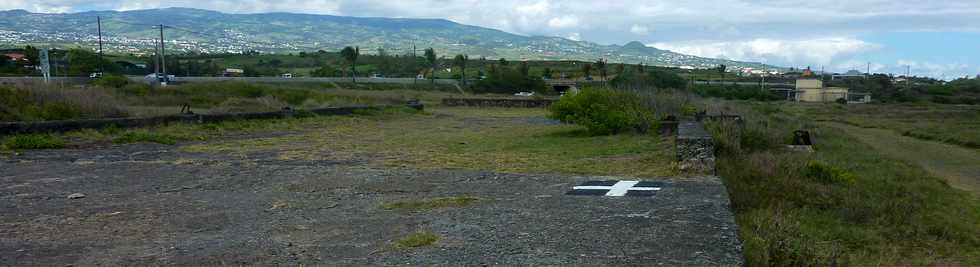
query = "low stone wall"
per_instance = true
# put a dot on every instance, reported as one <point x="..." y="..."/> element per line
<point x="499" y="102"/>
<point x="695" y="148"/>
<point x="71" y="125"/>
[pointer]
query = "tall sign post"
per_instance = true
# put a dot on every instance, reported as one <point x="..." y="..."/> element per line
<point x="45" y="64"/>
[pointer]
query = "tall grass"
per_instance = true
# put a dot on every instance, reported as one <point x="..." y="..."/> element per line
<point x="844" y="204"/>
<point x="39" y="102"/>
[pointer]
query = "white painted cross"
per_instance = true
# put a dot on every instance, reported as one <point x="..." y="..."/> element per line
<point x="619" y="189"/>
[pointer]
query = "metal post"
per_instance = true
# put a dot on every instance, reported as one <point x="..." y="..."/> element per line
<point x="101" y="59"/>
<point x="163" y="58"/>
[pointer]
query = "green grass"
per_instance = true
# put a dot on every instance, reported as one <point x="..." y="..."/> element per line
<point x="959" y="125"/>
<point x="491" y="139"/>
<point x="428" y="204"/>
<point x="846" y="203"/>
<point x="419" y="239"/>
<point x="34" y="141"/>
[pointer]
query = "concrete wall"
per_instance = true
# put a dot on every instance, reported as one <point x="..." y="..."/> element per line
<point x="829" y="94"/>
<point x="695" y="148"/>
<point x="306" y="79"/>
<point x="489" y="102"/>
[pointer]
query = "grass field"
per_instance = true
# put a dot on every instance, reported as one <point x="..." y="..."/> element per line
<point x="954" y="124"/>
<point x="848" y="203"/>
<point x="489" y="139"/>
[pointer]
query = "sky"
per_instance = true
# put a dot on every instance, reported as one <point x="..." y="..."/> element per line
<point x="939" y="39"/>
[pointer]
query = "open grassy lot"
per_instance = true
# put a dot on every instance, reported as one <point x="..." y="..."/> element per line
<point x="492" y="139"/>
<point x="954" y="124"/>
<point x="121" y="98"/>
<point x="847" y="203"/>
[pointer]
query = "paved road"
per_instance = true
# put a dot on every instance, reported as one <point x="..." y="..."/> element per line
<point x="158" y="205"/>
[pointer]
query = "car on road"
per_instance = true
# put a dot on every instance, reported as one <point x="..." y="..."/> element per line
<point x="524" y="94"/>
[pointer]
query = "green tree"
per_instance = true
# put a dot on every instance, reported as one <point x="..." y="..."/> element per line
<point x="460" y="61"/>
<point x="32" y="54"/>
<point x="722" y="69"/>
<point x="503" y="62"/>
<point x="600" y="65"/>
<point x="547" y="73"/>
<point x="430" y="57"/>
<point x="524" y="68"/>
<point x="350" y="55"/>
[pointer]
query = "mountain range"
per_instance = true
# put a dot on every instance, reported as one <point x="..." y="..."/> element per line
<point x="205" y="31"/>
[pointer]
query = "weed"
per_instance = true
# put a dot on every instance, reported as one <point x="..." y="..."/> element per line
<point x="33" y="141"/>
<point x="419" y="239"/>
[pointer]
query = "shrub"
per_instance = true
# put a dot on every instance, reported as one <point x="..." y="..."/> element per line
<point x="33" y="141"/>
<point x="114" y="81"/>
<point x="604" y="111"/>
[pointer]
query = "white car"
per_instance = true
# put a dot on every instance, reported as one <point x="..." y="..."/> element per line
<point x="524" y="94"/>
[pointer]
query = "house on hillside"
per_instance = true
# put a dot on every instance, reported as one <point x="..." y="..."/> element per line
<point x="813" y="90"/>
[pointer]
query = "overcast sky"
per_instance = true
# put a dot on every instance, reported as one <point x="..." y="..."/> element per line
<point x="935" y="38"/>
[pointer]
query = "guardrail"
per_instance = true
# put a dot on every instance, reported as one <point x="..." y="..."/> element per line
<point x="307" y="80"/>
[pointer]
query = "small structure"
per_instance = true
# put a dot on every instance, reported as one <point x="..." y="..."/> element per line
<point x="812" y="90"/>
<point x="233" y="73"/>
<point x="286" y="76"/>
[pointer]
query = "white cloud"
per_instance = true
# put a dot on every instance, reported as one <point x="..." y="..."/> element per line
<point x="574" y="36"/>
<point x="931" y="69"/>
<point x="534" y="9"/>
<point x="640" y="30"/>
<point x="813" y="51"/>
<point x="563" y="22"/>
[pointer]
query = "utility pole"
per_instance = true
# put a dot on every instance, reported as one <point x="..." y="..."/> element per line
<point x="163" y="58"/>
<point x="156" y="62"/>
<point x="101" y="69"/>
<point x="908" y="77"/>
<point x="415" y="59"/>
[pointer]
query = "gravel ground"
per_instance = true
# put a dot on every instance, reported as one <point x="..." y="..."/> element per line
<point x="155" y="205"/>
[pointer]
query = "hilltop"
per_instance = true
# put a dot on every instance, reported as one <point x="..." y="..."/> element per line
<point x="204" y="31"/>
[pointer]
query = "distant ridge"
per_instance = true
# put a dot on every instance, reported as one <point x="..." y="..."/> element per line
<point x="206" y="31"/>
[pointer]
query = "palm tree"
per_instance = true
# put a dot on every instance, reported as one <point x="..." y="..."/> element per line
<point x="601" y="66"/>
<point x="350" y="54"/>
<point x="430" y="57"/>
<point x="460" y="61"/>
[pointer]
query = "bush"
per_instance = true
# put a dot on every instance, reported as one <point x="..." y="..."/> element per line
<point x="33" y="141"/>
<point x="114" y="81"/>
<point x="604" y="111"/>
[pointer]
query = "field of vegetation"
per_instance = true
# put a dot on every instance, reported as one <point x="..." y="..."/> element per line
<point x="847" y="203"/>
<point x="953" y="124"/>
<point x="116" y="97"/>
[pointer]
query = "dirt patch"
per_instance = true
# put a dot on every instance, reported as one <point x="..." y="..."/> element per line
<point x="150" y="204"/>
